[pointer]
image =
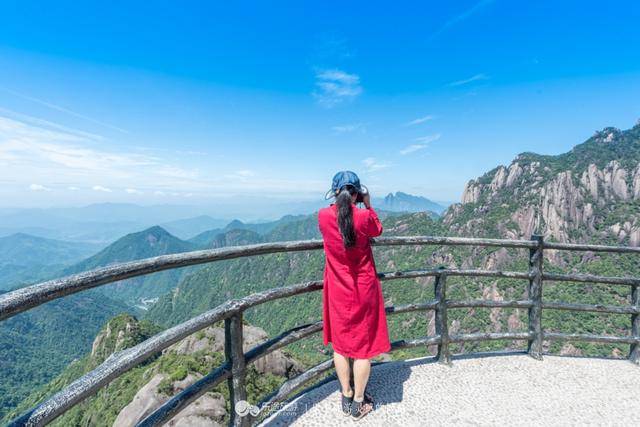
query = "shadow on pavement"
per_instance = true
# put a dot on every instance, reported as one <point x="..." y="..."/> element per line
<point x="386" y="384"/>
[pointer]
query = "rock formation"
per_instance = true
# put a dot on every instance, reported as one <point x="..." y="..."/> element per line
<point x="210" y="409"/>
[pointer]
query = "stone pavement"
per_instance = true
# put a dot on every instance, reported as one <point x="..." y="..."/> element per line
<point x="484" y="390"/>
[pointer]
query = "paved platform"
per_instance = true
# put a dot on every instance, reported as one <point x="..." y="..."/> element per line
<point x="486" y="390"/>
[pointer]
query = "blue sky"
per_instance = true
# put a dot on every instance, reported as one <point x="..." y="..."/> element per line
<point x="195" y="102"/>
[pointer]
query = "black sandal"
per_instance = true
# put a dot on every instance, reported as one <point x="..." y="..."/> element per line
<point x="346" y="404"/>
<point x="360" y="409"/>
<point x="367" y="396"/>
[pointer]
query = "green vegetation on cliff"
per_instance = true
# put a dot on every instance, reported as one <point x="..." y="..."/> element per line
<point x="175" y="368"/>
<point x="37" y="345"/>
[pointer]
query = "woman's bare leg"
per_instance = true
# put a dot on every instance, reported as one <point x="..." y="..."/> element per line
<point x="341" y="364"/>
<point x="361" y="370"/>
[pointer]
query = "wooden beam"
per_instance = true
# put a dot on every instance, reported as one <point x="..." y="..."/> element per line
<point x="483" y="303"/>
<point x="441" y="319"/>
<point x="536" y="260"/>
<point x="592" y="248"/>
<point x="591" y="338"/>
<point x="411" y="274"/>
<point x="451" y="241"/>
<point x="634" y="350"/>
<point x="415" y="343"/>
<point x="590" y="278"/>
<point x="234" y="355"/>
<point x="491" y="336"/>
<point x="597" y="308"/>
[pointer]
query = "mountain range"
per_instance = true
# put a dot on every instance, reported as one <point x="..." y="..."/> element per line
<point x="590" y="194"/>
<point x="403" y="202"/>
<point x="104" y="223"/>
<point x="25" y="258"/>
<point x="151" y="242"/>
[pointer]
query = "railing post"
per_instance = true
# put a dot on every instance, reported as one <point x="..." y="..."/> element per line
<point x="634" y="352"/>
<point x="536" y="260"/>
<point x="234" y="353"/>
<point x="442" y="325"/>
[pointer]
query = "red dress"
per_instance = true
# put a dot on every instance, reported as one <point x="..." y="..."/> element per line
<point x="353" y="314"/>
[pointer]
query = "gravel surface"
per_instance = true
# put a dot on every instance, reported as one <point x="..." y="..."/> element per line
<point x="504" y="389"/>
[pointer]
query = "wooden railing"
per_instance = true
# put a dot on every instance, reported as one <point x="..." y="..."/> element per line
<point x="231" y="312"/>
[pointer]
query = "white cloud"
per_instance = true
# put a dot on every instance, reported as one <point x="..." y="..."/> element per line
<point x="245" y="173"/>
<point x="429" y="138"/>
<point x="335" y="86"/>
<point x="471" y="79"/>
<point x="373" y="165"/>
<point x="242" y="175"/>
<point x="62" y="109"/>
<point x="423" y="142"/>
<point x="461" y="17"/>
<point x="420" y="120"/>
<point x="38" y="187"/>
<point x="36" y="151"/>
<point x="47" y="124"/>
<point x="132" y="191"/>
<point x="412" y="148"/>
<point x="101" y="188"/>
<point x="33" y="150"/>
<point x="348" y="128"/>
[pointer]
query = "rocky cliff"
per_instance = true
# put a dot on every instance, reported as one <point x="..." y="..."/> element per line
<point x="591" y="193"/>
<point x="210" y="409"/>
<point x="137" y="393"/>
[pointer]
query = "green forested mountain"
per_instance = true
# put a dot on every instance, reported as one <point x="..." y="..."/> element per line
<point x="37" y="345"/>
<point x="242" y="233"/>
<point x="25" y="258"/>
<point x="17" y="276"/>
<point x="263" y="227"/>
<point x="151" y="242"/>
<point x="189" y="227"/>
<point x="23" y="249"/>
<point x="204" y="239"/>
<point x="235" y="238"/>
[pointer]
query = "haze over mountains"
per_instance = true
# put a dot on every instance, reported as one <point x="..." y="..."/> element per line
<point x="590" y="194"/>
<point x="104" y="223"/>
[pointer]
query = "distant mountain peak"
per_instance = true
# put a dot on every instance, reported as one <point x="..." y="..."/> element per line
<point x="236" y="223"/>
<point x="152" y="241"/>
<point x="404" y="202"/>
<point x="156" y="230"/>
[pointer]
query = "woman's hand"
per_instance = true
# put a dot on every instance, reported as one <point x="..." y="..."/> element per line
<point x="366" y="199"/>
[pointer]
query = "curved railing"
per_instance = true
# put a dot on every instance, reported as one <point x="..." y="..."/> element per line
<point x="234" y="368"/>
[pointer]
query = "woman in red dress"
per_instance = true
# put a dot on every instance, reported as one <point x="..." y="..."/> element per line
<point x="354" y="318"/>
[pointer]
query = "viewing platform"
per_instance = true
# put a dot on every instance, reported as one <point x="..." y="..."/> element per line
<point x="475" y="389"/>
<point x="490" y="389"/>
